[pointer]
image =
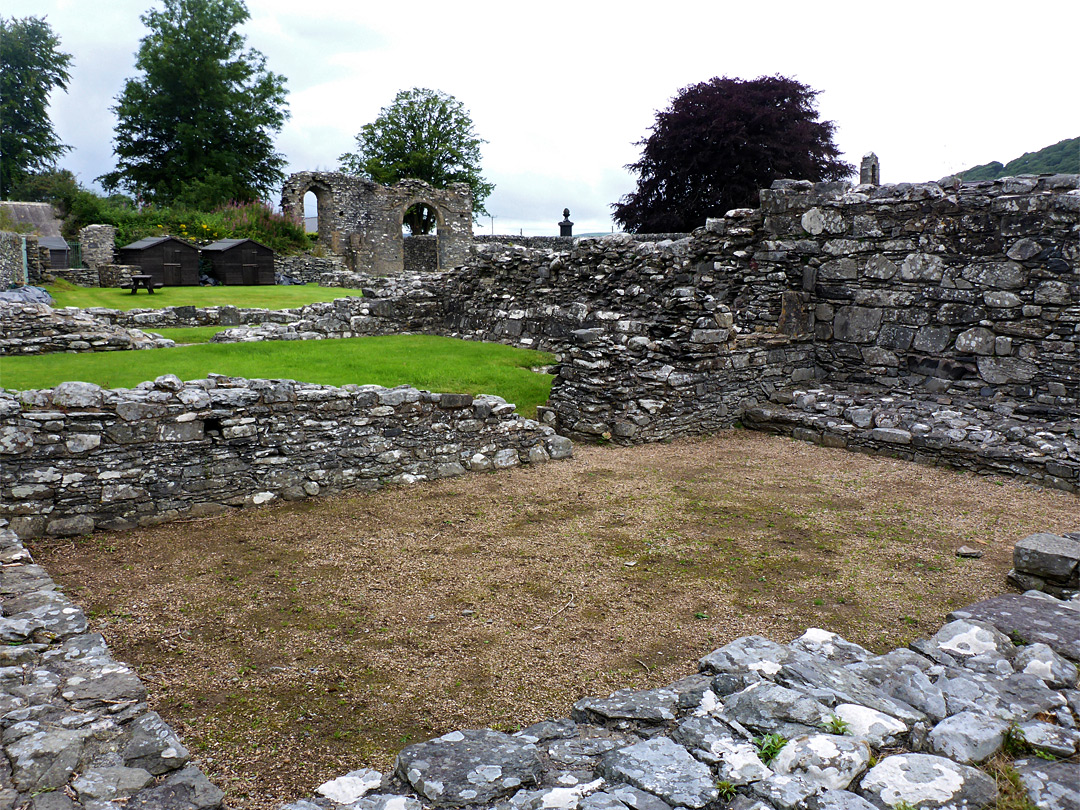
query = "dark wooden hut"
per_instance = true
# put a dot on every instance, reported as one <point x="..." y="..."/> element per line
<point x="166" y="259"/>
<point x="241" y="261"/>
<point x="59" y="251"/>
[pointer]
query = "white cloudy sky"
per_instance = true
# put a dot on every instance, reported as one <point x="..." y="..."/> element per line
<point x="562" y="90"/>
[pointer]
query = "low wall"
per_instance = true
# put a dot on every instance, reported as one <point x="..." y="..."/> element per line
<point x="40" y="329"/>
<point x="306" y="268"/>
<point x="77" y="457"/>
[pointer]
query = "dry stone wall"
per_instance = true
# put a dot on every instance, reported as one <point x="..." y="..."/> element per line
<point x="78" y="457"/>
<point x="40" y="329"/>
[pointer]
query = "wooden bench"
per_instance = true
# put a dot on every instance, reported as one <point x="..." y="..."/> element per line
<point x="144" y="281"/>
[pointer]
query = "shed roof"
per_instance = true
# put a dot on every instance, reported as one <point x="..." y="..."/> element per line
<point x="150" y="241"/>
<point x="226" y="244"/>
<point x="53" y="243"/>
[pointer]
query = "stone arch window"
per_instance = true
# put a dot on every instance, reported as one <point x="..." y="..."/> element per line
<point x="420" y="210"/>
<point x="324" y="209"/>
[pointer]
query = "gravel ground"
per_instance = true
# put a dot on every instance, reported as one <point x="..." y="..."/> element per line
<point x="292" y="643"/>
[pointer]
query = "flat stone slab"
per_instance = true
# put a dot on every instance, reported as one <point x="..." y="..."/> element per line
<point x="1045" y="620"/>
<point x="1050" y="785"/>
<point x="469" y="767"/>
<point x="927" y="781"/>
<point x="664" y="769"/>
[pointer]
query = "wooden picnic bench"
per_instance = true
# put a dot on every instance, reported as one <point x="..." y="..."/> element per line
<point x="146" y="281"/>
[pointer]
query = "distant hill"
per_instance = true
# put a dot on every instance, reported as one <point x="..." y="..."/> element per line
<point x="1061" y="158"/>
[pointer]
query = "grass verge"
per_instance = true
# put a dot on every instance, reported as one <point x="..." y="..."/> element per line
<point x="426" y="362"/>
<point x="66" y="294"/>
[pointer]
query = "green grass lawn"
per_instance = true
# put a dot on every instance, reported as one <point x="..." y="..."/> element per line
<point x="426" y="362"/>
<point x="189" y="334"/>
<point x="264" y="296"/>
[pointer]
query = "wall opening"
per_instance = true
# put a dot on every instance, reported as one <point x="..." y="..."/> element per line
<point x="421" y="229"/>
<point x="419" y="219"/>
<point x="311" y="212"/>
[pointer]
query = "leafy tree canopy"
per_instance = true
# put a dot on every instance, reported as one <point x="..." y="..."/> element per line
<point x="424" y="135"/>
<point x="31" y="66"/>
<point x="721" y="141"/>
<point x="197" y="125"/>
<point x="1062" y="157"/>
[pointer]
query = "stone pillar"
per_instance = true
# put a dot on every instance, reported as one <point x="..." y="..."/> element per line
<point x="566" y="227"/>
<point x="97" y="244"/>
<point x="870" y="170"/>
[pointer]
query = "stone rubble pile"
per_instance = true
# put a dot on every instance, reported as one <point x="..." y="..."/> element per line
<point x="858" y="731"/>
<point x="36" y="328"/>
<point x="1037" y="442"/>
<point x="76" y="729"/>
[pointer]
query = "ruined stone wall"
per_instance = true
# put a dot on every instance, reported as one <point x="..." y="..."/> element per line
<point x="306" y="268"/>
<point x="97" y="245"/>
<point x="421" y="253"/>
<point x="951" y="288"/>
<point x="361" y="221"/>
<point x="12" y="266"/>
<point x="40" y="329"/>
<point x="78" y="457"/>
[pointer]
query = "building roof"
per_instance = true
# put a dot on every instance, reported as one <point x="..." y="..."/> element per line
<point x="53" y="242"/>
<point x="41" y="215"/>
<point x="150" y="241"/>
<point x="226" y="244"/>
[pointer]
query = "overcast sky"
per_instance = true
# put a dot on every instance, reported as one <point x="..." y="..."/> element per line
<point x="562" y="90"/>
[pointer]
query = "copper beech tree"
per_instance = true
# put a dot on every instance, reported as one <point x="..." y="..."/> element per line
<point x="721" y="141"/>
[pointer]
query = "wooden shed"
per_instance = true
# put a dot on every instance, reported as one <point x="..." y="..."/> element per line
<point x="59" y="251"/>
<point x="166" y="259"/>
<point x="241" y="261"/>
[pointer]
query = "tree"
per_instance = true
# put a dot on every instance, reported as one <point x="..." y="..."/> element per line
<point x="424" y="135"/>
<point x="198" y="123"/>
<point x="721" y="141"/>
<point x="31" y="66"/>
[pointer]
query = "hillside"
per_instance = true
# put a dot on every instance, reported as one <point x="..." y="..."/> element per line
<point x="1061" y="158"/>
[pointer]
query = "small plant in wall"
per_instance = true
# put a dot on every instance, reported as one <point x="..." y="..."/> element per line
<point x="726" y="790"/>
<point x="769" y="746"/>
<point x="835" y="725"/>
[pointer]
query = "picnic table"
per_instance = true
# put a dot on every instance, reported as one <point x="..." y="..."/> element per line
<point x="143" y="281"/>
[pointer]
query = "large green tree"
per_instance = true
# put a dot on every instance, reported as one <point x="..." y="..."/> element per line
<point x="423" y="135"/>
<point x="31" y="66"/>
<point x="721" y="141"/>
<point x="197" y="125"/>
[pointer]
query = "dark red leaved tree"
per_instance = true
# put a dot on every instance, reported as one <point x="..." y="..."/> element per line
<point x="721" y="141"/>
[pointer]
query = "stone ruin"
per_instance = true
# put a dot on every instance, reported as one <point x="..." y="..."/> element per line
<point x="361" y="220"/>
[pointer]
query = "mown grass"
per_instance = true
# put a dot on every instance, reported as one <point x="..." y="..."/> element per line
<point x="190" y="334"/>
<point x="426" y="362"/>
<point x="262" y="296"/>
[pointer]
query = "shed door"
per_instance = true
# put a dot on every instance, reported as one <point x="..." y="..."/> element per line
<point x="249" y="260"/>
<point x="171" y="267"/>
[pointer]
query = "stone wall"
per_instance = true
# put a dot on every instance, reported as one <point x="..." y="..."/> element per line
<point x="306" y="268"/>
<point x="77" y="457"/>
<point x="97" y="245"/>
<point x="947" y="287"/>
<point x="420" y="253"/>
<point x="77" y="728"/>
<point x="40" y="329"/>
<point x="12" y="259"/>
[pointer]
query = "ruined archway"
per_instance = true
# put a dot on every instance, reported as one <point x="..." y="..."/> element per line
<point x="361" y="220"/>
<point x="420" y="250"/>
